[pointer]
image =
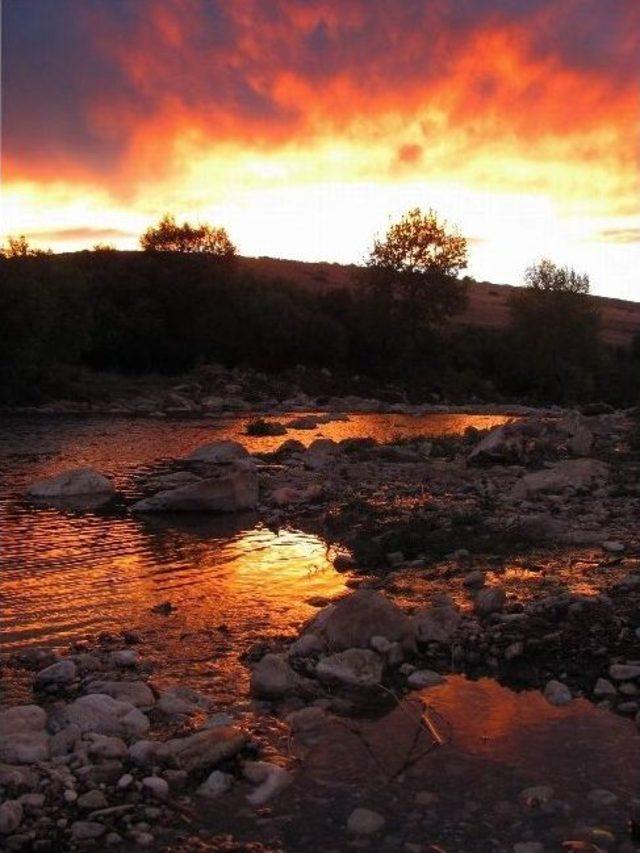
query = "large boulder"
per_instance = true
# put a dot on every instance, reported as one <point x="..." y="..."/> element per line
<point x="352" y="668"/>
<point x="104" y="715"/>
<point x="207" y="748"/>
<point x="79" y="482"/>
<point x="354" y="620"/>
<point x="232" y="490"/>
<point x="571" y="474"/>
<point x="438" y="622"/>
<point x="219" y="452"/>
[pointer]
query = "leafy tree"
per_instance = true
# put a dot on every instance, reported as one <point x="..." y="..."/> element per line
<point x="168" y="236"/>
<point x="19" y="247"/>
<point x="554" y="334"/>
<point x="419" y="243"/>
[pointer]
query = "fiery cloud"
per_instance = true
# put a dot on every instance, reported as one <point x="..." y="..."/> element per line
<point x="197" y="104"/>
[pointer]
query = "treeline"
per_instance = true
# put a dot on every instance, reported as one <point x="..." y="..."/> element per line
<point x="169" y="312"/>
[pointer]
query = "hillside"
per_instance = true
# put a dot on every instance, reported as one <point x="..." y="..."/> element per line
<point x="487" y="302"/>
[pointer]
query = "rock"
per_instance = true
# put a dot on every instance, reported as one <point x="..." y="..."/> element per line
<point x="17" y="779"/>
<point x="273" y="678"/>
<point x="358" y="617"/>
<point x="156" y="786"/>
<point x="103" y="746"/>
<point x="320" y="454"/>
<point x="99" y="713"/>
<point x="352" y="668"/>
<point x="307" y="644"/>
<point x="572" y="473"/>
<point x="514" y="650"/>
<point x="602" y="797"/>
<point x="292" y="496"/>
<point x="62" y="672"/>
<point x="424" y="678"/>
<point x="171" y="481"/>
<point x="612" y="547"/>
<point x="233" y="490"/>
<point x="10" y="816"/>
<point x="215" y="784"/>
<point x="364" y="822"/>
<point x="500" y="444"/>
<point x="207" y="748"/>
<point x="79" y="482"/>
<point x="303" y="422"/>
<point x="134" y="692"/>
<point x="146" y="753"/>
<point x="557" y="693"/>
<point x="219" y="452"/>
<point x="438" y="622"/>
<point x="528" y="847"/>
<point x="604" y="689"/>
<point x="537" y="795"/>
<point x="182" y="700"/>
<point x="24" y="747"/>
<point x="624" y="671"/>
<point x="124" y="658"/>
<point x="124" y="782"/>
<point x="86" y="830"/>
<point x="22" y="718"/>
<point x="270" y="778"/>
<point x="475" y="580"/>
<point x="489" y="600"/>
<point x="92" y="800"/>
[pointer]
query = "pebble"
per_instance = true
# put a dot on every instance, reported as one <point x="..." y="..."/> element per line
<point x="364" y="822"/>
<point x="604" y="689"/>
<point x="557" y="693"/>
<point x="124" y="781"/>
<point x="624" y="671"/>
<point x="84" y="830"/>
<point x="92" y="800"/>
<point x="157" y="786"/>
<point x="424" y="678"/>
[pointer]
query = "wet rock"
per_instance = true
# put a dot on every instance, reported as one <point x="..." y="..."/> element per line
<point x="624" y="671"/>
<point x="87" y="830"/>
<point x="99" y="713"/>
<point x="219" y="452"/>
<point x="424" y="678"/>
<point x="134" y="692"/>
<point x="207" y="748"/>
<point x="156" y="786"/>
<point x="182" y="700"/>
<point x="10" y="816"/>
<point x="557" y="693"/>
<point x="358" y="617"/>
<point x="233" y="490"/>
<point x="62" y="672"/>
<point x="438" y="622"/>
<point x="74" y="483"/>
<point x="270" y="779"/>
<point x="489" y="600"/>
<point x="24" y="747"/>
<point x="22" y="718"/>
<point x="353" y="668"/>
<point x="365" y="822"/>
<point x="215" y="784"/>
<point x="273" y="678"/>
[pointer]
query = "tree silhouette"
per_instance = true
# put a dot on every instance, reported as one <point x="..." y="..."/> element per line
<point x="19" y="247"/>
<point x="168" y="236"/>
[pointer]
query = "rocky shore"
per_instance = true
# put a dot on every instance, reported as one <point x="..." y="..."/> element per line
<point x="512" y="554"/>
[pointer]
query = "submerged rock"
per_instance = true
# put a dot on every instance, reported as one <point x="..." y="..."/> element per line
<point x="359" y="617"/>
<point x="78" y="482"/>
<point x="231" y="491"/>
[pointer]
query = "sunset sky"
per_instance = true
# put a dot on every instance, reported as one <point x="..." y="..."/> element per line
<point x="303" y="125"/>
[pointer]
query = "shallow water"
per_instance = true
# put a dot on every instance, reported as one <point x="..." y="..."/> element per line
<point x="67" y="575"/>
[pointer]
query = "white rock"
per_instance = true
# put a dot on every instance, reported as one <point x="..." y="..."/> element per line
<point x="353" y="667"/>
<point x="557" y="693"/>
<point x="156" y="786"/>
<point x="99" y="713"/>
<point x="215" y="784"/>
<point x="75" y="483"/>
<point x="270" y="778"/>
<point x="424" y="678"/>
<point x="364" y="822"/>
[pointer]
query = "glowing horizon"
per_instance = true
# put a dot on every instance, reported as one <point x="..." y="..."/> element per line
<point x="303" y="126"/>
